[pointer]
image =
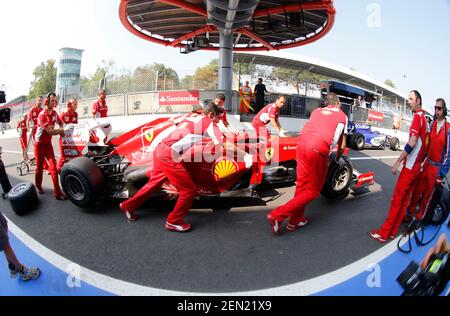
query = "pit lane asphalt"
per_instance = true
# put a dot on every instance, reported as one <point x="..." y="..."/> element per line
<point x="230" y="248"/>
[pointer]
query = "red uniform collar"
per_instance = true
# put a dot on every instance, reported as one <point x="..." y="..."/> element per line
<point x="47" y="113"/>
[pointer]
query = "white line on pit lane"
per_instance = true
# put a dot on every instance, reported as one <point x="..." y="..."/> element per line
<point x="20" y="153"/>
<point x="373" y="158"/>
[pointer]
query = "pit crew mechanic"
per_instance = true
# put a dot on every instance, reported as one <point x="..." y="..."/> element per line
<point x="436" y="165"/>
<point x="43" y="148"/>
<point x="70" y="116"/>
<point x="412" y="158"/>
<point x="325" y="129"/>
<point x="270" y="114"/>
<point x="33" y="115"/>
<point x="220" y="101"/>
<point x="99" y="108"/>
<point x="168" y="164"/>
<point x="22" y="130"/>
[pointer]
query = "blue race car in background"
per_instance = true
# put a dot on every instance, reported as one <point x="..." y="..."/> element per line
<point x="361" y="135"/>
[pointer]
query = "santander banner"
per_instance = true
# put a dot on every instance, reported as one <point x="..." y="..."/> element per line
<point x="179" y="98"/>
<point x="376" y="116"/>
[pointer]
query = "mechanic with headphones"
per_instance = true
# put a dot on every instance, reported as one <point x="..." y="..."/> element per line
<point x="70" y="116"/>
<point x="412" y="158"/>
<point x="436" y="165"/>
<point x="43" y="148"/>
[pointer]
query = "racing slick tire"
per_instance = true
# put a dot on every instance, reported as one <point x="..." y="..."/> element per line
<point x="23" y="198"/>
<point x="338" y="180"/>
<point x="82" y="181"/>
<point x="394" y="144"/>
<point x="358" y="141"/>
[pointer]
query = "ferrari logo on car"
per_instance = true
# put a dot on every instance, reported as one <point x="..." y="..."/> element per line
<point x="225" y="169"/>
<point x="148" y="135"/>
<point x="269" y="153"/>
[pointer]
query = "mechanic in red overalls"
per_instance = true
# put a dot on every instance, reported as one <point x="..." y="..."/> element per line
<point x="434" y="169"/>
<point x="43" y="148"/>
<point x="99" y="108"/>
<point x="33" y="122"/>
<point x="325" y="129"/>
<point x="33" y="117"/>
<point x="70" y="116"/>
<point x="220" y="101"/>
<point x="267" y="115"/>
<point x="167" y="165"/>
<point x="22" y="129"/>
<point x="412" y="158"/>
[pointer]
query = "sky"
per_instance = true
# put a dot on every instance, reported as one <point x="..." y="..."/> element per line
<point x="403" y="40"/>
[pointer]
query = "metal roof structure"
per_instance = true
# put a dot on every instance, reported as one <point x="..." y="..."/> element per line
<point x="340" y="73"/>
<point x="256" y="25"/>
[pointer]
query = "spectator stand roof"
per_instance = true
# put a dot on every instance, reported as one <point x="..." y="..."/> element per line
<point x="339" y="73"/>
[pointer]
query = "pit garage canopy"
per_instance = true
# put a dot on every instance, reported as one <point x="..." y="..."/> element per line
<point x="256" y="25"/>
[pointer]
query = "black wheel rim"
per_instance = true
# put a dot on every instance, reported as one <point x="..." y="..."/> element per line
<point x="438" y="213"/>
<point x="74" y="188"/>
<point x="340" y="179"/>
<point x="20" y="187"/>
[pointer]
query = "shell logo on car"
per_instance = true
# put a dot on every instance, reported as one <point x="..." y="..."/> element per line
<point x="225" y="169"/>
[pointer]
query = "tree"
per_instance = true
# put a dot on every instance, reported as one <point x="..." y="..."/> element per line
<point x="44" y="79"/>
<point x="390" y="83"/>
<point x="296" y="76"/>
<point x="244" y="68"/>
<point x="167" y="76"/>
<point x="206" y="77"/>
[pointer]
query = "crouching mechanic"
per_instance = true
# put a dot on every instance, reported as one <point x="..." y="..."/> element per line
<point x="167" y="165"/>
<point x="15" y="267"/>
<point x="70" y="116"/>
<point x="412" y="158"/>
<point x="43" y="148"/>
<point x="325" y="129"/>
<point x="436" y="165"/>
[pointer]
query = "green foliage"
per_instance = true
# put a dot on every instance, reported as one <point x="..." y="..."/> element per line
<point x="390" y="83"/>
<point x="204" y="77"/>
<point x="296" y="76"/>
<point x="44" y="79"/>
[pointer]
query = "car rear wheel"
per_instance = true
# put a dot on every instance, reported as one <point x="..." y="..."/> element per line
<point x="338" y="180"/>
<point x="394" y="144"/>
<point x="358" y="141"/>
<point x="82" y="181"/>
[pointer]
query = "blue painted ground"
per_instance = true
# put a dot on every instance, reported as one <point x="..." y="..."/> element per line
<point x="53" y="281"/>
<point x="390" y="268"/>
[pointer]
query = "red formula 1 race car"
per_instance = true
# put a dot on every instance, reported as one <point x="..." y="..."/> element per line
<point x="120" y="167"/>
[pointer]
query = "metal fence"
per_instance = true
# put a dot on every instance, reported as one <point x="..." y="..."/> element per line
<point x="141" y="103"/>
